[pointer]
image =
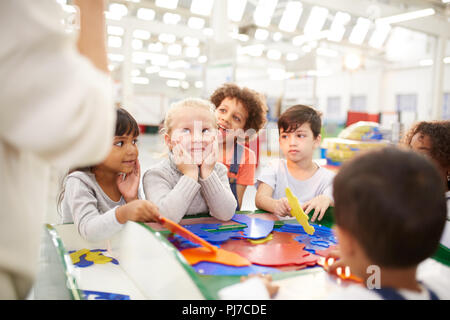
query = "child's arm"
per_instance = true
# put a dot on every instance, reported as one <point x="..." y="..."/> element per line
<point x="217" y="193"/>
<point x="173" y="201"/>
<point x="264" y="201"/>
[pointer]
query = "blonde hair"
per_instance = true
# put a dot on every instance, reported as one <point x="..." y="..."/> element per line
<point x="187" y="103"/>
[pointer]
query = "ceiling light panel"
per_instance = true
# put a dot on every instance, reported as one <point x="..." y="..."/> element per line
<point x="264" y="11"/>
<point x="316" y="20"/>
<point x="291" y="16"/>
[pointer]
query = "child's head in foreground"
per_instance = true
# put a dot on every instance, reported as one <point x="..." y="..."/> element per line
<point x="433" y="139"/>
<point x="390" y="209"/>
<point x="299" y="130"/>
<point x="239" y="109"/>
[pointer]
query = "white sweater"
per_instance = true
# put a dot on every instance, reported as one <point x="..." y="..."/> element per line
<point x="56" y="110"/>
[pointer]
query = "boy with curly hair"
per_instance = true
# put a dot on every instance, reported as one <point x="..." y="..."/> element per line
<point x="241" y="113"/>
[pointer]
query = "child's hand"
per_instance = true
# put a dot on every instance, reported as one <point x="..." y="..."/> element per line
<point x="129" y="185"/>
<point x="335" y="265"/>
<point x="320" y="204"/>
<point x="282" y="207"/>
<point x="209" y="161"/>
<point x="138" y="211"/>
<point x="184" y="162"/>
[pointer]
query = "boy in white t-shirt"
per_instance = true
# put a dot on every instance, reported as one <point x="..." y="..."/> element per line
<point x="299" y="130"/>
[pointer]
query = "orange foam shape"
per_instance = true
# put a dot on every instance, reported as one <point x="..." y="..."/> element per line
<point x="195" y="255"/>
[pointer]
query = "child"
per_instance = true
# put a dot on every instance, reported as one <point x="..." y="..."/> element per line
<point x="190" y="181"/>
<point x="299" y="130"/>
<point x="100" y="199"/>
<point x="390" y="213"/>
<point x="433" y="139"/>
<point x="240" y="113"/>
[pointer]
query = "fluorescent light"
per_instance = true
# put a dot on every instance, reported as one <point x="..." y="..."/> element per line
<point x="277" y="36"/>
<point x="254" y="50"/>
<point x="447" y="59"/>
<point x="316" y="20"/>
<point x="273" y="54"/>
<point x="155" y="47"/>
<point x="137" y="44"/>
<point x="198" y="84"/>
<point x="426" y="62"/>
<point x="159" y="59"/>
<point x="299" y="40"/>
<point x="114" y="42"/>
<point x="264" y="11"/>
<point x="327" y="52"/>
<point x="202" y="7"/>
<point x="202" y="59"/>
<point x="115" y="31"/>
<point x="445" y="1"/>
<point x="379" y="35"/>
<point x="115" y="57"/>
<point x="173" y="83"/>
<point x="118" y="9"/>
<point x="191" y="41"/>
<point x="291" y="56"/>
<point x="174" y="49"/>
<point x="167" y="37"/>
<point x="135" y="72"/>
<point x="178" y="64"/>
<point x="261" y="34"/>
<point x="172" y="74"/>
<point x="168" y="4"/>
<point x="196" y="23"/>
<point x="236" y="9"/>
<point x="291" y="16"/>
<point x="208" y="32"/>
<point x="185" y="84"/>
<point x="407" y="16"/>
<point x="192" y="52"/>
<point x="140" y="80"/>
<point x="152" y="69"/>
<point x="171" y="18"/>
<point x="337" y="28"/>
<point x="146" y="14"/>
<point x="352" y="61"/>
<point x="359" y="31"/>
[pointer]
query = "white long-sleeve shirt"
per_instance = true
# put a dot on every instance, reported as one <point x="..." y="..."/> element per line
<point x="56" y="110"/>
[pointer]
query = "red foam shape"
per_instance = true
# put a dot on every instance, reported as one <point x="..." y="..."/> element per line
<point x="278" y="255"/>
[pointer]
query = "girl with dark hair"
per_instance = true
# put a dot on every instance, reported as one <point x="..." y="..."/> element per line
<point x="101" y="198"/>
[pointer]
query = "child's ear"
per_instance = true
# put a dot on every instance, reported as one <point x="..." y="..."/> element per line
<point x="317" y="141"/>
<point x="168" y="141"/>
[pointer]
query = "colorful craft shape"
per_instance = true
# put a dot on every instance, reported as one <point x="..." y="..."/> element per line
<point x="99" y="295"/>
<point x="321" y="232"/>
<point x="343" y="275"/>
<point x="85" y="257"/>
<point x="210" y="268"/>
<point x="196" y="255"/>
<point x="278" y="255"/>
<point x="212" y="237"/>
<point x="261" y="241"/>
<point x="297" y="212"/>
<point x="176" y="228"/>
<point x="256" y="228"/>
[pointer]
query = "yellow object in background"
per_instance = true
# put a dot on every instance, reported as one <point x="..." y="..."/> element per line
<point x="298" y="213"/>
<point x="260" y="241"/>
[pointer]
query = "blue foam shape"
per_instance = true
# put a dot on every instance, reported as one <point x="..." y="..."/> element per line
<point x="99" y="295"/>
<point x="256" y="228"/>
<point x="321" y="232"/>
<point x="212" y="237"/>
<point x="211" y="268"/>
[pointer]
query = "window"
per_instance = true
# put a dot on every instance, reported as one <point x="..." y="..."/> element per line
<point x="333" y="110"/>
<point x="358" y="103"/>
<point x="406" y="102"/>
<point x="446" y="106"/>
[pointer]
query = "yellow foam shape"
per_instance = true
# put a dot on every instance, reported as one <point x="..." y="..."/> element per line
<point x="96" y="257"/>
<point x="298" y="213"/>
<point x="259" y="241"/>
<point x="75" y="256"/>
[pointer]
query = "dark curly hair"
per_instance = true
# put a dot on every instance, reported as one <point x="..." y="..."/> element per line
<point x="253" y="102"/>
<point x="439" y="133"/>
